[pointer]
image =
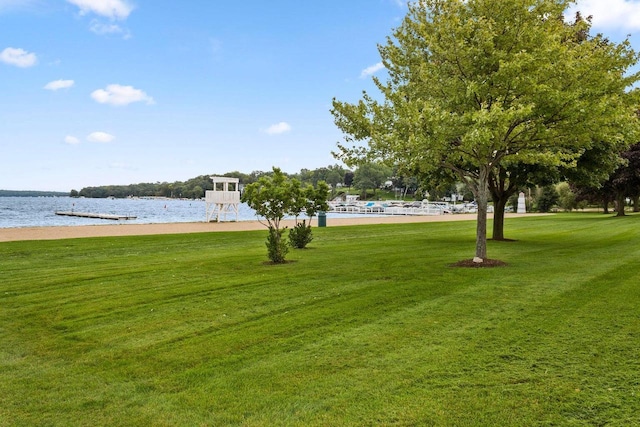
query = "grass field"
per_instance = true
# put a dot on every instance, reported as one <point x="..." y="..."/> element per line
<point x="369" y="326"/>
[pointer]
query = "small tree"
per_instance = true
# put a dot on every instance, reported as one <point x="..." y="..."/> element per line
<point x="272" y="197"/>
<point x="348" y="179"/>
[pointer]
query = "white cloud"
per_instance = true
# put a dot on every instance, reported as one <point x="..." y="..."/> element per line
<point x="112" y="9"/>
<point x="59" y="84"/>
<point x="18" y="57"/>
<point x="71" y="140"/>
<point x="120" y="95"/>
<point x="278" y="128"/>
<point x="100" y="137"/>
<point x="104" y="29"/>
<point x="371" y="70"/>
<point x="611" y="14"/>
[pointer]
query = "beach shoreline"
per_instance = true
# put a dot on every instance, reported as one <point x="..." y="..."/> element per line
<point x="124" y="229"/>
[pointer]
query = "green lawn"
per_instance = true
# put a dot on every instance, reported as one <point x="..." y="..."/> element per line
<point x="369" y="326"/>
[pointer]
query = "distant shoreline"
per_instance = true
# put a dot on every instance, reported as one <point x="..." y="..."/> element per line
<point x="29" y="193"/>
<point x="123" y="229"/>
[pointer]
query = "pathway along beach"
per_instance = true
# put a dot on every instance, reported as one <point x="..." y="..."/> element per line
<point x="123" y="229"/>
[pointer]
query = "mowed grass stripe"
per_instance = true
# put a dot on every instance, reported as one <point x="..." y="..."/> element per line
<point x="370" y="326"/>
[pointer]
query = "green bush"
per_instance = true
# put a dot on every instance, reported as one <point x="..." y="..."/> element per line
<point x="300" y="235"/>
<point x="277" y="248"/>
<point x="566" y="197"/>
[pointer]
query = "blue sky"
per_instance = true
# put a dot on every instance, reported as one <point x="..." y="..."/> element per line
<point x="99" y="92"/>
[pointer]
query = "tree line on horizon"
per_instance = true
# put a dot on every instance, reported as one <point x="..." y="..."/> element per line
<point x="195" y="188"/>
<point x="31" y="193"/>
<point x="555" y="191"/>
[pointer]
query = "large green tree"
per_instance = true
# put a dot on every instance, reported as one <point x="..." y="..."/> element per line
<point x="473" y="84"/>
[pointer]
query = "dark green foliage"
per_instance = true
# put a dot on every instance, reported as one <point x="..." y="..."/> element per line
<point x="548" y="198"/>
<point x="348" y="178"/>
<point x="300" y="235"/>
<point x="332" y="175"/>
<point x="191" y="189"/>
<point x="370" y="176"/>
<point x="277" y="247"/>
<point x="194" y="188"/>
<point x="11" y="193"/>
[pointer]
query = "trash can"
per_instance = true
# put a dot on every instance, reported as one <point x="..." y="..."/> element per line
<point x="322" y="219"/>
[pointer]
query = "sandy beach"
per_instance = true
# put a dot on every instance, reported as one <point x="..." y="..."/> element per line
<point x="123" y="229"/>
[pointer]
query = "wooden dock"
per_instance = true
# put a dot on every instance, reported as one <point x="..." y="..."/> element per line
<point x="95" y="215"/>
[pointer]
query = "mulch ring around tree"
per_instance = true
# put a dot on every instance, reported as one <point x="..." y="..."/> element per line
<point x="487" y="263"/>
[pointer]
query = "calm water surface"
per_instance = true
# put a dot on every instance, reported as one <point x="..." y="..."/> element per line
<point x="40" y="211"/>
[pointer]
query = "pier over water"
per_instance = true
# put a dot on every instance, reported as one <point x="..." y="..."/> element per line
<point x="95" y="215"/>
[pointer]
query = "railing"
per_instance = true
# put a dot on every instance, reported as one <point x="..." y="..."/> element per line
<point x="222" y="196"/>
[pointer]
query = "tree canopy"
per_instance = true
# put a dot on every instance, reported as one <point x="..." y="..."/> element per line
<point x="474" y="85"/>
<point x="622" y="183"/>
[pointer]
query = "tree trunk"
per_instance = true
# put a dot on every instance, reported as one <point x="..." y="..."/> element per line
<point x="498" y="217"/>
<point x="605" y="205"/>
<point x="620" y="204"/>
<point x="501" y="188"/>
<point x="636" y="203"/>
<point x="482" y="198"/>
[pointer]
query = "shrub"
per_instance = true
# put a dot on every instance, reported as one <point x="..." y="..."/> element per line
<point x="277" y="248"/>
<point x="300" y="235"/>
<point x="566" y="197"/>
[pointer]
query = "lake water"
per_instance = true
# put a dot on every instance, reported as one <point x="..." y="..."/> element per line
<point x="40" y="211"/>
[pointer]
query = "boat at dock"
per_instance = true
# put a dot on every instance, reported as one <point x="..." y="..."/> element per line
<point x="396" y="207"/>
<point x="389" y="208"/>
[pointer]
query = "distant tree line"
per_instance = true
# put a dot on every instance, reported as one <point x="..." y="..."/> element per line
<point x="12" y="193"/>
<point x="334" y="175"/>
<point x="590" y="184"/>
<point x="191" y="189"/>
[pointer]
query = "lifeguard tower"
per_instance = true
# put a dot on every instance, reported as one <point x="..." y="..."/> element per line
<point x="223" y="199"/>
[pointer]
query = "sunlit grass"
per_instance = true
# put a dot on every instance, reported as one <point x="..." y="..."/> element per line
<point x="369" y="326"/>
